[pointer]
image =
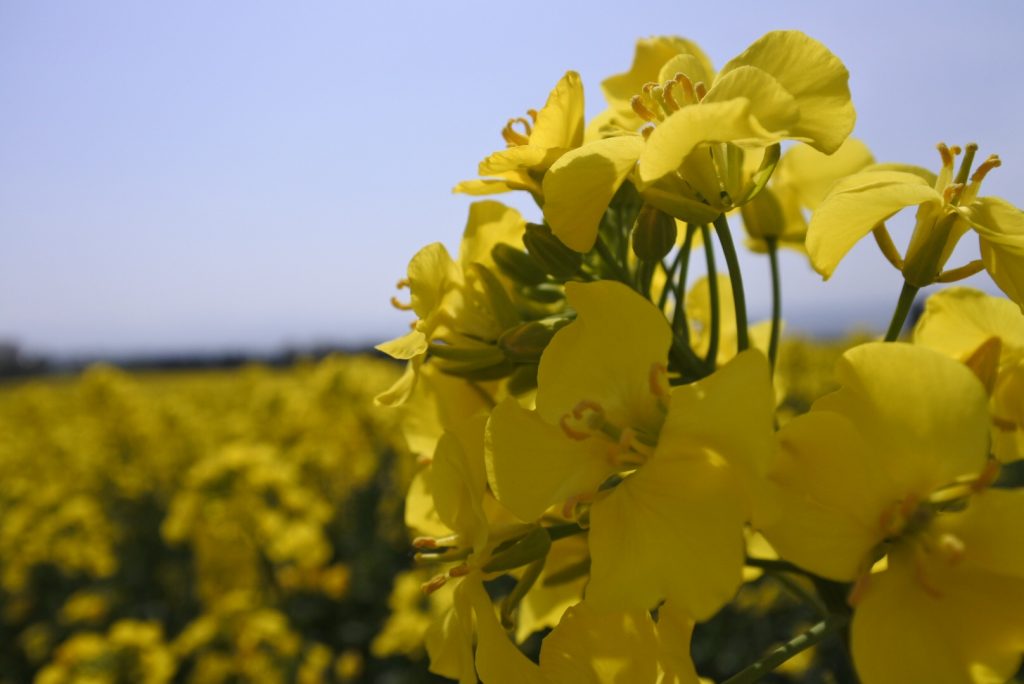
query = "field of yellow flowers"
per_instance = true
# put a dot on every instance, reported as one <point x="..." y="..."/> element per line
<point x="225" y="526"/>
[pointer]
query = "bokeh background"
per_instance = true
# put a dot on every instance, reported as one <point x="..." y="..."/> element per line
<point x="199" y="184"/>
<point x="245" y="175"/>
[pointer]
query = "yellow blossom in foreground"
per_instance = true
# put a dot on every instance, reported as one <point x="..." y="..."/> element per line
<point x="894" y="465"/>
<point x="685" y="480"/>
<point x="986" y="333"/>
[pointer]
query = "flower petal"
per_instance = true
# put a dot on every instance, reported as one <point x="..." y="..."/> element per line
<point x="532" y="465"/>
<point x="679" y="134"/>
<point x="811" y="173"/>
<point x="771" y="104"/>
<point x="814" y="76"/>
<point x="674" y="530"/>
<point x="605" y="356"/>
<point x="581" y="184"/>
<point x="924" y="415"/>
<point x="854" y="207"/>
<point x="966" y="629"/>
<point x="957" y="320"/>
<point x="559" y="123"/>
<point x="490" y="223"/>
<point x="651" y="54"/>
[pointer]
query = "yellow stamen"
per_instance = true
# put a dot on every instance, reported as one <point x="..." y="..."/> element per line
<point x="401" y="306"/>
<point x="570" y="431"/>
<point x="992" y="162"/>
<point x="952" y="193"/>
<point x="689" y="96"/>
<point x="987" y="476"/>
<point x="433" y="584"/>
<point x="669" y="99"/>
<point x="641" y="110"/>
<point x="700" y="90"/>
<point x="460" y="570"/>
<point x="946" y="154"/>
<point x="514" y="137"/>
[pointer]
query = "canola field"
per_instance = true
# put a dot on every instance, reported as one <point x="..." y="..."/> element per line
<point x="229" y="526"/>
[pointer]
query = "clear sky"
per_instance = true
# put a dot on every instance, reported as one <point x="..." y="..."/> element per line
<point x="237" y="175"/>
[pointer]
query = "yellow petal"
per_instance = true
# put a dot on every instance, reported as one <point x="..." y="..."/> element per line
<point x="505" y="181"/>
<point x="812" y="75"/>
<point x="831" y="497"/>
<point x="432" y="273"/>
<point x="651" y="54"/>
<point x="413" y="343"/>
<point x="545" y="604"/>
<point x="449" y="640"/>
<point x="854" y="207"/>
<point x="605" y="356"/>
<point x="672" y="530"/>
<point x="957" y="320"/>
<point x="399" y="392"/>
<point x="458" y="480"/>
<point x="420" y="513"/>
<point x="489" y="224"/>
<point x="770" y="103"/>
<point x="559" y="123"/>
<point x="811" y="173"/>
<point x="966" y="630"/>
<point x="581" y="184"/>
<point x="532" y="465"/>
<point x="497" y="658"/>
<point x="516" y="158"/>
<point x="595" y="647"/>
<point x="924" y="414"/>
<point x="693" y="67"/>
<point x="704" y="414"/>
<point x="679" y="134"/>
<point x="675" y="631"/>
<point x="991" y="531"/>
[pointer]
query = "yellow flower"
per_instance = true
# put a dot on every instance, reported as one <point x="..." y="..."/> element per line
<point x="948" y="207"/>
<point x="785" y="86"/>
<point x="800" y="181"/>
<point x="986" y="333"/>
<point x="686" y="479"/>
<point x="894" y="467"/>
<point x="534" y="144"/>
<point x="461" y="307"/>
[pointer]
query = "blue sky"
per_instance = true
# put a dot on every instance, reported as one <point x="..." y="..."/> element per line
<point x="239" y="175"/>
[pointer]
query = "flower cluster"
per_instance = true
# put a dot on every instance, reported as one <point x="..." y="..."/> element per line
<point x="608" y="451"/>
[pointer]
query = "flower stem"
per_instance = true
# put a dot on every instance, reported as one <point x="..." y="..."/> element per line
<point x="899" y="316"/>
<point x="797" y="644"/>
<point x="738" y="298"/>
<point x="773" y="259"/>
<point x="710" y="360"/>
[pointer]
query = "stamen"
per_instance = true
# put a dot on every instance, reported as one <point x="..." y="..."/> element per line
<point x="859" y="587"/>
<point x="424" y="543"/>
<point x="669" y="99"/>
<point x="946" y="154"/>
<point x="433" y="584"/>
<point x="571" y="432"/>
<point x="992" y="162"/>
<point x="532" y="113"/>
<point x="403" y="283"/>
<point x="700" y="89"/>
<point x="987" y="476"/>
<point x="460" y="570"/>
<point x="514" y="137"/>
<point x="401" y="306"/>
<point x="686" y="84"/>
<point x="646" y="131"/>
<point x="642" y="111"/>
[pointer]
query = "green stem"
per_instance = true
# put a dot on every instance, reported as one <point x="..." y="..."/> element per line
<point x="621" y="273"/>
<point x="679" y="326"/>
<point x="797" y="644"/>
<point x="738" y="298"/>
<point x="899" y="316"/>
<point x="773" y="259"/>
<point x="710" y="359"/>
<point x="670" y="274"/>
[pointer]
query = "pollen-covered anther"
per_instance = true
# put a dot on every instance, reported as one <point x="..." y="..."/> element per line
<point x="425" y="543"/>
<point x="948" y="156"/>
<point x="700" y="90"/>
<point x="992" y="162"/>
<point x="433" y="584"/>
<point x="570" y="431"/>
<point x="460" y="570"/>
<point x="646" y="131"/>
<point x="514" y="137"/>
<point x="669" y="99"/>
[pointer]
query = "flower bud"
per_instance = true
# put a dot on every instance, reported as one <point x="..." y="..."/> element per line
<point x="527" y="341"/>
<point x="550" y="253"/>
<point x="654" y="234"/>
<point x="517" y="265"/>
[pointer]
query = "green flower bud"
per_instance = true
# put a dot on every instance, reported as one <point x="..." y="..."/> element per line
<point x="550" y="253"/>
<point x="654" y="234"/>
<point x="518" y="265"/>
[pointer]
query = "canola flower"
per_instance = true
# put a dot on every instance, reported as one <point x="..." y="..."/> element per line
<point x="618" y="466"/>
